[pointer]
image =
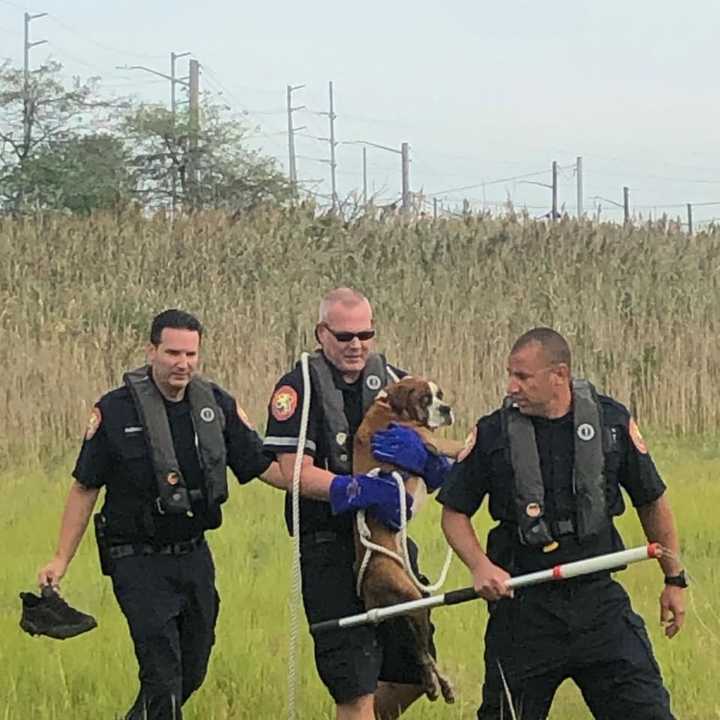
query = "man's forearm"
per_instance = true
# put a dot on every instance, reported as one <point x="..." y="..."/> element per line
<point x="78" y="508"/>
<point x="658" y="523"/>
<point x="314" y="481"/>
<point x="462" y="538"/>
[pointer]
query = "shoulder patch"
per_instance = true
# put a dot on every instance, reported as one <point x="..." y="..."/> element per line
<point x="637" y="437"/>
<point x="94" y="422"/>
<point x="284" y="403"/>
<point x="244" y="419"/>
<point x="470" y="441"/>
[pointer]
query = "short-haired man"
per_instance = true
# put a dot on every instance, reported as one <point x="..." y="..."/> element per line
<point x="160" y="445"/>
<point x="552" y="462"/>
<point x="370" y="672"/>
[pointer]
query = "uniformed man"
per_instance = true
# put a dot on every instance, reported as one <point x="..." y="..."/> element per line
<point x="370" y="672"/>
<point x="552" y="462"/>
<point x="160" y="445"/>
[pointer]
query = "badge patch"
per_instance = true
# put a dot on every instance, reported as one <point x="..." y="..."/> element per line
<point x="586" y="431"/>
<point x="283" y="403"/>
<point x="207" y="414"/>
<point x="470" y="441"/>
<point x="637" y="437"/>
<point x="373" y="382"/>
<point x="94" y="422"/>
<point x="244" y="419"/>
<point x="533" y="510"/>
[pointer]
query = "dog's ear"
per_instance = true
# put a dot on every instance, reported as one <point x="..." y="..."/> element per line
<point x="398" y="397"/>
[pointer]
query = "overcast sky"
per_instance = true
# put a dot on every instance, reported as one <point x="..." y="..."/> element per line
<point x="481" y="91"/>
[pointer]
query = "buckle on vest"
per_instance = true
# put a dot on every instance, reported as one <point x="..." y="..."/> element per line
<point x="158" y="506"/>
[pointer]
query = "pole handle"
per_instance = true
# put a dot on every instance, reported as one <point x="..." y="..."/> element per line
<point x="454" y="597"/>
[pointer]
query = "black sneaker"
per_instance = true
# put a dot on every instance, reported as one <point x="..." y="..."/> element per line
<point x="50" y="615"/>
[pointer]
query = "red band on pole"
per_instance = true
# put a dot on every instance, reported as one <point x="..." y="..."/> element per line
<point x="557" y="572"/>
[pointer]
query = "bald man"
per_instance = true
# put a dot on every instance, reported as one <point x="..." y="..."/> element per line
<point x="552" y="462"/>
<point x="370" y="672"/>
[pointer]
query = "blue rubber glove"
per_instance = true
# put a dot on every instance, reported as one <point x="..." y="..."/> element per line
<point x="403" y="447"/>
<point x="436" y="470"/>
<point x="400" y="446"/>
<point x="379" y="494"/>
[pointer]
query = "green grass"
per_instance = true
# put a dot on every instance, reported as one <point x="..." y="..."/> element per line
<point x="94" y="676"/>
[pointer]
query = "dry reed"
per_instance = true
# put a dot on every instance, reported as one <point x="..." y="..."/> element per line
<point x="639" y="305"/>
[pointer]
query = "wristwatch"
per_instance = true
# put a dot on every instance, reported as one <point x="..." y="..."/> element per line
<point x="678" y="580"/>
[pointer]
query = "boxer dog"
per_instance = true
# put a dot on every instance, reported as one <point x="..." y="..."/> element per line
<point x="417" y="404"/>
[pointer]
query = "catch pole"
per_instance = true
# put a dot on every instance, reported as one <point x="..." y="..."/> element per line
<point x="609" y="561"/>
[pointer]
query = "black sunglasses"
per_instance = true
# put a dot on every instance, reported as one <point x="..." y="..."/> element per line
<point x="346" y="337"/>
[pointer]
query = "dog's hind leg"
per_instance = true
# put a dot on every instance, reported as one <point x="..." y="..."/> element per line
<point x="446" y="687"/>
<point x="396" y="587"/>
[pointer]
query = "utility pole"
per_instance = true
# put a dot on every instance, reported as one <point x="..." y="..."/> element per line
<point x="579" y="179"/>
<point x="292" y="167"/>
<point x="333" y="164"/>
<point x="26" y="78"/>
<point x="194" y="98"/>
<point x="689" y="219"/>
<point x="364" y="168"/>
<point x="174" y="57"/>
<point x="554" y="210"/>
<point x="626" y="204"/>
<point x="405" y="153"/>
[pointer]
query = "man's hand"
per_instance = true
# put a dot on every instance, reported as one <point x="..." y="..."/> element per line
<point x="400" y="446"/>
<point x="403" y="447"/>
<point x="52" y="573"/>
<point x="379" y="494"/>
<point x="490" y="580"/>
<point x="672" y="609"/>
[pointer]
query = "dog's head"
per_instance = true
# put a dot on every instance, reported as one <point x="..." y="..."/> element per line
<point x="418" y="400"/>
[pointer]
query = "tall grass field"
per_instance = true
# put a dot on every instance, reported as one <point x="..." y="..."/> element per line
<point x="638" y="304"/>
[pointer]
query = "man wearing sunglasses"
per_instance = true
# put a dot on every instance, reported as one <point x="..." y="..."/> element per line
<point x="368" y="671"/>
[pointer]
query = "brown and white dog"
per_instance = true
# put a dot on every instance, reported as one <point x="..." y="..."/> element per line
<point x="418" y="404"/>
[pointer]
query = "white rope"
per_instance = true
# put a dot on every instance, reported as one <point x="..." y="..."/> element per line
<point x="402" y="559"/>
<point x="296" y="582"/>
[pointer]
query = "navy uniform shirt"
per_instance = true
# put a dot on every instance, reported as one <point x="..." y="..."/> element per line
<point x="283" y="430"/>
<point x="485" y="471"/>
<point x="116" y="455"/>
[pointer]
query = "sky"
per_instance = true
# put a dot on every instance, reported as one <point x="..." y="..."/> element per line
<point x="482" y="92"/>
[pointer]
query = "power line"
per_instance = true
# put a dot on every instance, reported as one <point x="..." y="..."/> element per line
<point x="102" y="46"/>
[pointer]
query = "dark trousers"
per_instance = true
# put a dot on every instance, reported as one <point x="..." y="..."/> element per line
<point x="171" y="607"/>
<point x="583" y="629"/>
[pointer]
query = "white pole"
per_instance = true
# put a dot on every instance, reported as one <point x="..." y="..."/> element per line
<point x="454" y="597"/>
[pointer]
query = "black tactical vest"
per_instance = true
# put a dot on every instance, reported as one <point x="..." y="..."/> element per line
<point x="592" y="516"/>
<point x="209" y="423"/>
<point x="336" y="430"/>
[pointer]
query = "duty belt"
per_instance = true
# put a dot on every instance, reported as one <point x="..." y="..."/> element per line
<point x="179" y="548"/>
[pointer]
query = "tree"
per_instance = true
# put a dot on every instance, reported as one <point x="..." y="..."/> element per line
<point x="79" y="174"/>
<point x="210" y="167"/>
<point x="39" y="118"/>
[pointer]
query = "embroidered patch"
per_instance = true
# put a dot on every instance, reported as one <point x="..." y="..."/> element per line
<point x="284" y="402"/>
<point x="373" y="382"/>
<point x="207" y="414"/>
<point x="533" y="510"/>
<point x="244" y="419"/>
<point x="94" y="422"/>
<point x="637" y="437"/>
<point x="470" y="441"/>
<point x="586" y="431"/>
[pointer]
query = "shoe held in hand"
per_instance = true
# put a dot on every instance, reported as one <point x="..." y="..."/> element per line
<point x="48" y="614"/>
